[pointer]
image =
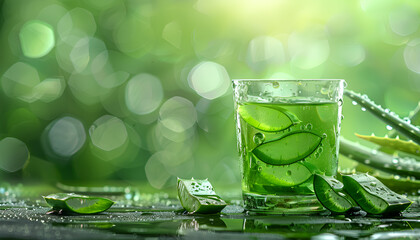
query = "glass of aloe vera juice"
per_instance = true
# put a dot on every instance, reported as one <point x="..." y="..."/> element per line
<point x="287" y="130"/>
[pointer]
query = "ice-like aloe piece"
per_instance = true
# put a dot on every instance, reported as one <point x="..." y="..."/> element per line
<point x="373" y="196"/>
<point x="198" y="196"/>
<point x="266" y="118"/>
<point x="75" y="203"/>
<point x="331" y="195"/>
<point x="407" y="129"/>
<point x="396" y="165"/>
<point x="290" y="148"/>
<point x="394" y="143"/>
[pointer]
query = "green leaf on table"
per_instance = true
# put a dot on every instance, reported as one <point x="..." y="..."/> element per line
<point x="394" y="143"/>
<point x="75" y="203"/>
<point x="198" y="196"/>
<point x="266" y="118"/>
<point x="373" y="196"/>
<point x="331" y="195"/>
<point x="291" y="148"/>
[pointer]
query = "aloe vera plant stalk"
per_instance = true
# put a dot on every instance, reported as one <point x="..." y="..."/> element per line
<point x="396" y="165"/>
<point x="407" y="129"/>
<point x="394" y="143"/>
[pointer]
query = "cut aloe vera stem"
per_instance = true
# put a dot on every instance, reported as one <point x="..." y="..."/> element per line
<point x="290" y="148"/>
<point x="75" y="203"/>
<point x="410" y="131"/>
<point x="396" y="165"/>
<point x="393" y="143"/>
<point x="331" y="195"/>
<point x="285" y="175"/>
<point x="198" y="196"/>
<point x="266" y="118"/>
<point x="373" y="196"/>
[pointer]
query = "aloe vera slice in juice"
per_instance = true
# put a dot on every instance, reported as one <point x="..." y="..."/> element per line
<point x="373" y="196"/>
<point x="330" y="193"/>
<point x="266" y="118"/>
<point x="291" y="148"/>
<point x="75" y="203"/>
<point x="285" y="175"/>
<point x="198" y="196"/>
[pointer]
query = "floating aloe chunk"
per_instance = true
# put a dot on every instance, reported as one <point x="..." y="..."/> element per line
<point x="285" y="175"/>
<point x="373" y="196"/>
<point x="394" y="143"/>
<point x="198" y="196"/>
<point x="266" y="118"/>
<point x="405" y="128"/>
<point x="291" y="148"/>
<point x="75" y="203"/>
<point x="330" y="193"/>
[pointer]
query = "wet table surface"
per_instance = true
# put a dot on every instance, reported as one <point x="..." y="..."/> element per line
<point x="138" y="215"/>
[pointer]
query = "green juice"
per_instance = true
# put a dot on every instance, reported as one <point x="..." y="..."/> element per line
<point x="281" y="146"/>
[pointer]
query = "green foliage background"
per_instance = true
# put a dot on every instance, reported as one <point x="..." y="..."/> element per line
<point x="159" y="71"/>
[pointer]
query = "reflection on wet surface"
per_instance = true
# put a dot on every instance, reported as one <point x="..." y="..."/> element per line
<point x="161" y="216"/>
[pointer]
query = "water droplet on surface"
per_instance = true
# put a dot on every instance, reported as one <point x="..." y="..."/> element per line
<point x="374" y="151"/>
<point x="367" y="161"/>
<point x="388" y="127"/>
<point x="317" y="155"/>
<point x="276" y="84"/>
<point x="363" y="109"/>
<point x="258" y="138"/>
<point x="324" y="135"/>
<point x="340" y="102"/>
<point x="354" y="102"/>
<point x="395" y="161"/>
<point x="260" y="169"/>
<point x="309" y="126"/>
<point x="342" y="117"/>
<point x="407" y="120"/>
<point x="288" y="173"/>
<point x="373" y="184"/>
<point x="320" y="149"/>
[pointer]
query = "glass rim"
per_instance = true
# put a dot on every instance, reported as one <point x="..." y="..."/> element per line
<point x="284" y="80"/>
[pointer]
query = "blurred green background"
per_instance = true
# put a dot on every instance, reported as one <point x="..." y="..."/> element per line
<point x="104" y="90"/>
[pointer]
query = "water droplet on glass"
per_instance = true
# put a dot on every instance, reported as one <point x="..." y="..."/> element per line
<point x="260" y="169"/>
<point x="258" y="138"/>
<point x="354" y="103"/>
<point x="276" y="84"/>
<point x="388" y="127"/>
<point x="363" y="109"/>
<point x="309" y="126"/>
<point x="317" y="155"/>
<point x="288" y="173"/>
<point x="324" y="135"/>
<point x="407" y="120"/>
<point x="302" y="127"/>
<point x="320" y="149"/>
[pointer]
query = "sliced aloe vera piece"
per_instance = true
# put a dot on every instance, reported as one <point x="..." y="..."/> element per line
<point x="285" y="175"/>
<point x="266" y="118"/>
<point x="394" y="143"/>
<point x="373" y="196"/>
<point x="75" y="203"/>
<point x="198" y="196"/>
<point x="290" y="148"/>
<point x="330" y="193"/>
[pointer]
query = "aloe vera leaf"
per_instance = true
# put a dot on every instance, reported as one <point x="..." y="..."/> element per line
<point x="285" y="175"/>
<point x="407" y="129"/>
<point x="396" y="165"/>
<point x="394" y="143"/>
<point x="331" y="195"/>
<point x="198" y="196"/>
<point x="373" y="196"/>
<point x="266" y="118"/>
<point x="400" y="185"/>
<point x="75" y="203"/>
<point x="290" y="148"/>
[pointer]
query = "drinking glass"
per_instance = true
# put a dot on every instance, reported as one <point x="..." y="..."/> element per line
<point x="287" y="130"/>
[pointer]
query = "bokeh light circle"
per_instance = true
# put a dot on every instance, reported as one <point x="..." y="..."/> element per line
<point x="14" y="154"/>
<point x="19" y="80"/>
<point x="264" y="51"/>
<point x="36" y="39"/>
<point x="155" y="171"/>
<point x="412" y="55"/>
<point x="404" y="20"/>
<point x="63" y="138"/>
<point x="143" y="94"/>
<point x="177" y="114"/>
<point x="209" y="79"/>
<point x="108" y="133"/>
